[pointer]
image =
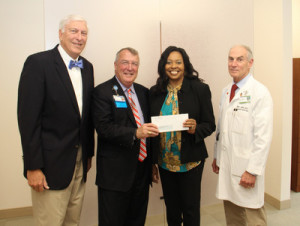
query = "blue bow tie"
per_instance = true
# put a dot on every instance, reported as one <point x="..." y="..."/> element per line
<point x="73" y="63"/>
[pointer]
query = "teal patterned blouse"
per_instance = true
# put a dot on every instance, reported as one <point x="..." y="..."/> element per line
<point x="170" y="142"/>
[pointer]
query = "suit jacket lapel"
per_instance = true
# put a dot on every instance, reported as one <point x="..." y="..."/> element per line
<point x="64" y="76"/>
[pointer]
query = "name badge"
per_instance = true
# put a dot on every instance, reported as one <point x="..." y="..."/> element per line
<point x="245" y="99"/>
<point x="120" y="101"/>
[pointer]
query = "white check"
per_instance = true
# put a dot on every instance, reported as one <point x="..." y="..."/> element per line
<point x="167" y="123"/>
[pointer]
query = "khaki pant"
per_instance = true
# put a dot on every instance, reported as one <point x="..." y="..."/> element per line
<point x="60" y="207"/>
<point x="241" y="216"/>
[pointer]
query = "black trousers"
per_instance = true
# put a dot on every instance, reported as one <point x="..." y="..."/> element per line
<point x="116" y="208"/>
<point x="182" y="194"/>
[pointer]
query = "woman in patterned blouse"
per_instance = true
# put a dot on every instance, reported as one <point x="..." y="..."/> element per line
<point x="180" y="155"/>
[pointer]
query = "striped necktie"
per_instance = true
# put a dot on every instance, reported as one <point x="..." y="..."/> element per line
<point x="143" y="150"/>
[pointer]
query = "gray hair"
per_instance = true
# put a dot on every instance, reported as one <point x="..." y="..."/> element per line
<point x="133" y="51"/>
<point x="247" y="48"/>
<point x="69" y="19"/>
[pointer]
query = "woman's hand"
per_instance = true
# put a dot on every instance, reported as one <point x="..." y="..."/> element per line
<point x="191" y="124"/>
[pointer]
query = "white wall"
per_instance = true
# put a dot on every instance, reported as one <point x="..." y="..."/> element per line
<point x="22" y="27"/>
<point x="205" y="28"/>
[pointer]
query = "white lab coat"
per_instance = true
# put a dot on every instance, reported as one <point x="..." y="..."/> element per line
<point x="244" y="134"/>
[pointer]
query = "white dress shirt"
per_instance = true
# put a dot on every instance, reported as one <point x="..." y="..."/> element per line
<point x="75" y="76"/>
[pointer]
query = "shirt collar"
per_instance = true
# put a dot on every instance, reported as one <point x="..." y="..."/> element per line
<point x="241" y="83"/>
<point x="124" y="88"/>
<point x="65" y="56"/>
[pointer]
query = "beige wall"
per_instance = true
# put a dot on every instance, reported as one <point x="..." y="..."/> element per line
<point x="273" y="67"/>
<point x="112" y="26"/>
<point x="296" y="28"/>
<point x="207" y="39"/>
<point x="205" y="28"/>
<point x="22" y="29"/>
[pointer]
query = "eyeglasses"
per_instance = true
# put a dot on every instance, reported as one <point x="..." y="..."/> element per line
<point x="127" y="63"/>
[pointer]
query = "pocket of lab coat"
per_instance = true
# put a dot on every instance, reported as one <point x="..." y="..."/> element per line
<point x="239" y="165"/>
<point x="239" y="121"/>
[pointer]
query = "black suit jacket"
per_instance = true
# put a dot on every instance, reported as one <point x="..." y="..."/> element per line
<point x="117" y="152"/>
<point x="194" y="98"/>
<point x="49" y="119"/>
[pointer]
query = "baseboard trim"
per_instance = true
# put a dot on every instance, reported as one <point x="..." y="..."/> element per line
<point x="16" y="212"/>
<point x="27" y="211"/>
<point x="281" y="205"/>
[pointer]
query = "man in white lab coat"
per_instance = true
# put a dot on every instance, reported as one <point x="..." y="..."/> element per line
<point x="243" y="138"/>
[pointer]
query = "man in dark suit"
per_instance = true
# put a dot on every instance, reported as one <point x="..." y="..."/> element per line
<point x="121" y="116"/>
<point x="56" y="127"/>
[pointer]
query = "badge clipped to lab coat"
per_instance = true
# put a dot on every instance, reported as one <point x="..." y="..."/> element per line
<point x="245" y="98"/>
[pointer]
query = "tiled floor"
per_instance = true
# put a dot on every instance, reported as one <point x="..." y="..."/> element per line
<point x="212" y="216"/>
